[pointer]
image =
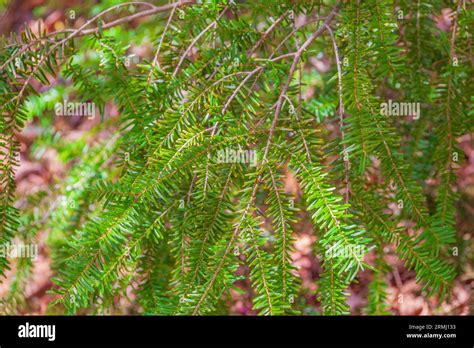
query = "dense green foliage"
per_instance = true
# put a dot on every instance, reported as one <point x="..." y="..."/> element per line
<point x="159" y="206"/>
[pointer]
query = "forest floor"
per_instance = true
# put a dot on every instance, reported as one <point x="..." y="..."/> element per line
<point x="405" y="296"/>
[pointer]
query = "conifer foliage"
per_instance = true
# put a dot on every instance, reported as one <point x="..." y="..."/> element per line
<point x="188" y="189"/>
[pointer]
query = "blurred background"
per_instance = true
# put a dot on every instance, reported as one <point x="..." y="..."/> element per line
<point x="52" y="146"/>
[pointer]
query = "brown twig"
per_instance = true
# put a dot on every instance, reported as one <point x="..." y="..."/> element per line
<point x="82" y="32"/>
<point x="155" y="59"/>
<point x="293" y="67"/>
<point x="267" y="32"/>
<point x="196" y="39"/>
<point x="341" y="114"/>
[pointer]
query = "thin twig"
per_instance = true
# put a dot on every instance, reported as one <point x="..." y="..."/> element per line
<point x="293" y="67"/>
<point x="267" y="32"/>
<point x="155" y="59"/>
<point x="341" y="114"/>
<point x="196" y="39"/>
<point x="80" y="32"/>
